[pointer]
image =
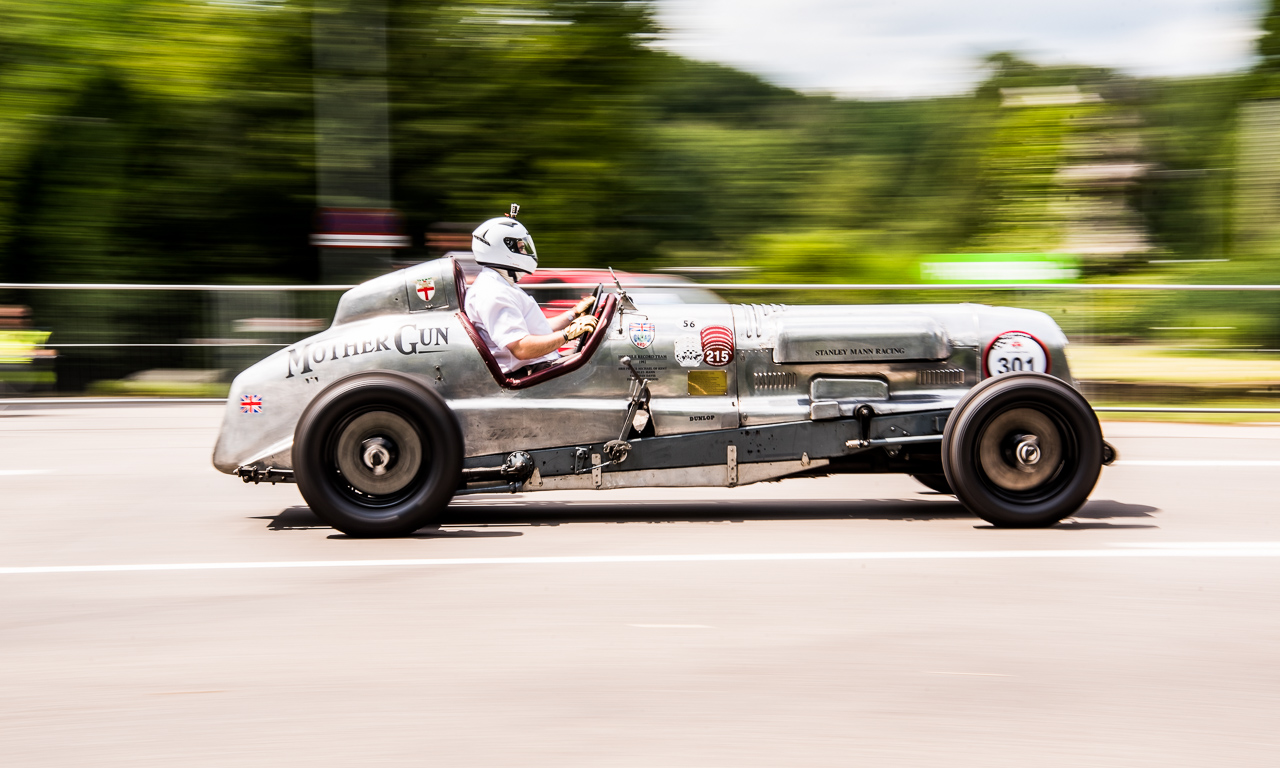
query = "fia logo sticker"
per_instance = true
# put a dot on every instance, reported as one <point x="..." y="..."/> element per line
<point x="688" y="351"/>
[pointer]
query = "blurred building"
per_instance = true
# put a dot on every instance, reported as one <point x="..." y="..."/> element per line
<point x="357" y="228"/>
<point x="1104" y="166"/>
<point x="1257" y="204"/>
<point x="1092" y="153"/>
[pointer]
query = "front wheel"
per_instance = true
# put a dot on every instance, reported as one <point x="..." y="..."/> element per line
<point x="1022" y="450"/>
<point x="377" y="454"/>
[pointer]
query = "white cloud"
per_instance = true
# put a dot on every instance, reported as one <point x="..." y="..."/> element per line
<point x="929" y="47"/>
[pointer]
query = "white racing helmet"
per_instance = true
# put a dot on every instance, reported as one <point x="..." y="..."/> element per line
<point x="504" y="243"/>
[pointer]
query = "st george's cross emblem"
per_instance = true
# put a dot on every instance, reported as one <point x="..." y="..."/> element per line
<point x="251" y="404"/>
<point x="426" y="288"/>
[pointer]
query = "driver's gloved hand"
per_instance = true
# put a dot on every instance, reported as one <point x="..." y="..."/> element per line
<point x="579" y="327"/>
<point x="583" y="306"/>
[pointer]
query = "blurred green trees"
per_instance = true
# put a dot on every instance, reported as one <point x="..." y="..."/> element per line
<point x="1269" y="42"/>
<point x="172" y="141"/>
<point x="153" y="140"/>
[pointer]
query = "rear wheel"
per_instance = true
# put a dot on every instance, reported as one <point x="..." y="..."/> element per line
<point x="377" y="454"/>
<point x="1022" y="450"/>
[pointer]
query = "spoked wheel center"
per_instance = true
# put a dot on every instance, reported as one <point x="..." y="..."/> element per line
<point x="1021" y="449"/>
<point x="378" y="453"/>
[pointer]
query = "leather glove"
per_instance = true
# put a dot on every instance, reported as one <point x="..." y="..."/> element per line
<point x="579" y="327"/>
<point x="583" y="306"/>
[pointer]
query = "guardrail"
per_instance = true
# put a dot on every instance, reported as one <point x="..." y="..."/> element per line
<point x="668" y="285"/>
<point x="168" y="287"/>
<point x="929" y="286"/>
<point x="1175" y="409"/>
<point x="109" y="332"/>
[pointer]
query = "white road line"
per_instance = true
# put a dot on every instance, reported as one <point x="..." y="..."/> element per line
<point x="968" y="674"/>
<point x="671" y="626"/>
<point x="1196" y="463"/>
<point x="1199" y="544"/>
<point x="1262" y="549"/>
<point x="12" y="472"/>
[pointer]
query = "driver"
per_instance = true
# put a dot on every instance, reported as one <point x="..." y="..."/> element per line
<point x="519" y="336"/>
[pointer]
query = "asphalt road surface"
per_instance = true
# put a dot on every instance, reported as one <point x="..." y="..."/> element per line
<point x="823" y="622"/>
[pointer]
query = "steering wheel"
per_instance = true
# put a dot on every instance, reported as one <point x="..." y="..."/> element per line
<point x="595" y="311"/>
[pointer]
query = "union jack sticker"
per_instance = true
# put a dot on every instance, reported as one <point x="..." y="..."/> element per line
<point x="643" y="334"/>
<point x="251" y="404"/>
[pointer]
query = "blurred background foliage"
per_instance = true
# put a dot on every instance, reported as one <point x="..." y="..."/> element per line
<point x="174" y="141"/>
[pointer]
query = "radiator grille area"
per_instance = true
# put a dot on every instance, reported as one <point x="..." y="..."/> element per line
<point x="773" y="381"/>
<point x="940" y="377"/>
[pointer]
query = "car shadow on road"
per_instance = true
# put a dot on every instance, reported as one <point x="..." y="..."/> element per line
<point x="1095" y="514"/>
<point x="507" y="514"/>
<point x="303" y="519"/>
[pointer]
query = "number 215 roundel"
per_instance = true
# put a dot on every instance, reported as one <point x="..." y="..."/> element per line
<point x="1015" y="352"/>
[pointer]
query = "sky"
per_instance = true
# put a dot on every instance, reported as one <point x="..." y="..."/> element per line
<point x="911" y="48"/>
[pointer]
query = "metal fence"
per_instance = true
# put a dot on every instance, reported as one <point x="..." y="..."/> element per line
<point x="190" y="340"/>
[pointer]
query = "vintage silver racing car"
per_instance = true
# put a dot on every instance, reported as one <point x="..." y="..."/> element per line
<point x="399" y="407"/>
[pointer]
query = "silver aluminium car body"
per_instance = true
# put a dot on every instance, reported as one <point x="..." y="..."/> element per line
<point x="799" y="389"/>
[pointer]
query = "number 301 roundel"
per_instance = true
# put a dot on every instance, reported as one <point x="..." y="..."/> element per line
<point x="1015" y="352"/>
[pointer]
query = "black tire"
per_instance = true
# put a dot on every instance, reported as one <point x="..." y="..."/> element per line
<point x="995" y="422"/>
<point x="377" y="454"/>
<point x="935" y="483"/>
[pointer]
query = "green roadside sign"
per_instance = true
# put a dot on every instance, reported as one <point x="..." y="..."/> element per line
<point x="997" y="268"/>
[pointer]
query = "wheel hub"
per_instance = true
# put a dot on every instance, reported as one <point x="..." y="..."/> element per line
<point x="378" y="453"/>
<point x="1020" y="450"/>
<point x="1027" y="453"/>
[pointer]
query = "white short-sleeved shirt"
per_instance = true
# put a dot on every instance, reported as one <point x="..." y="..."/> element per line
<point x="503" y="314"/>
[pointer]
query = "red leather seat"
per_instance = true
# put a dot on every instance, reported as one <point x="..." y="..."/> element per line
<point x="608" y="305"/>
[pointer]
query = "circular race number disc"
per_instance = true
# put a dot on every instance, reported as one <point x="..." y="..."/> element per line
<point x="1015" y="352"/>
